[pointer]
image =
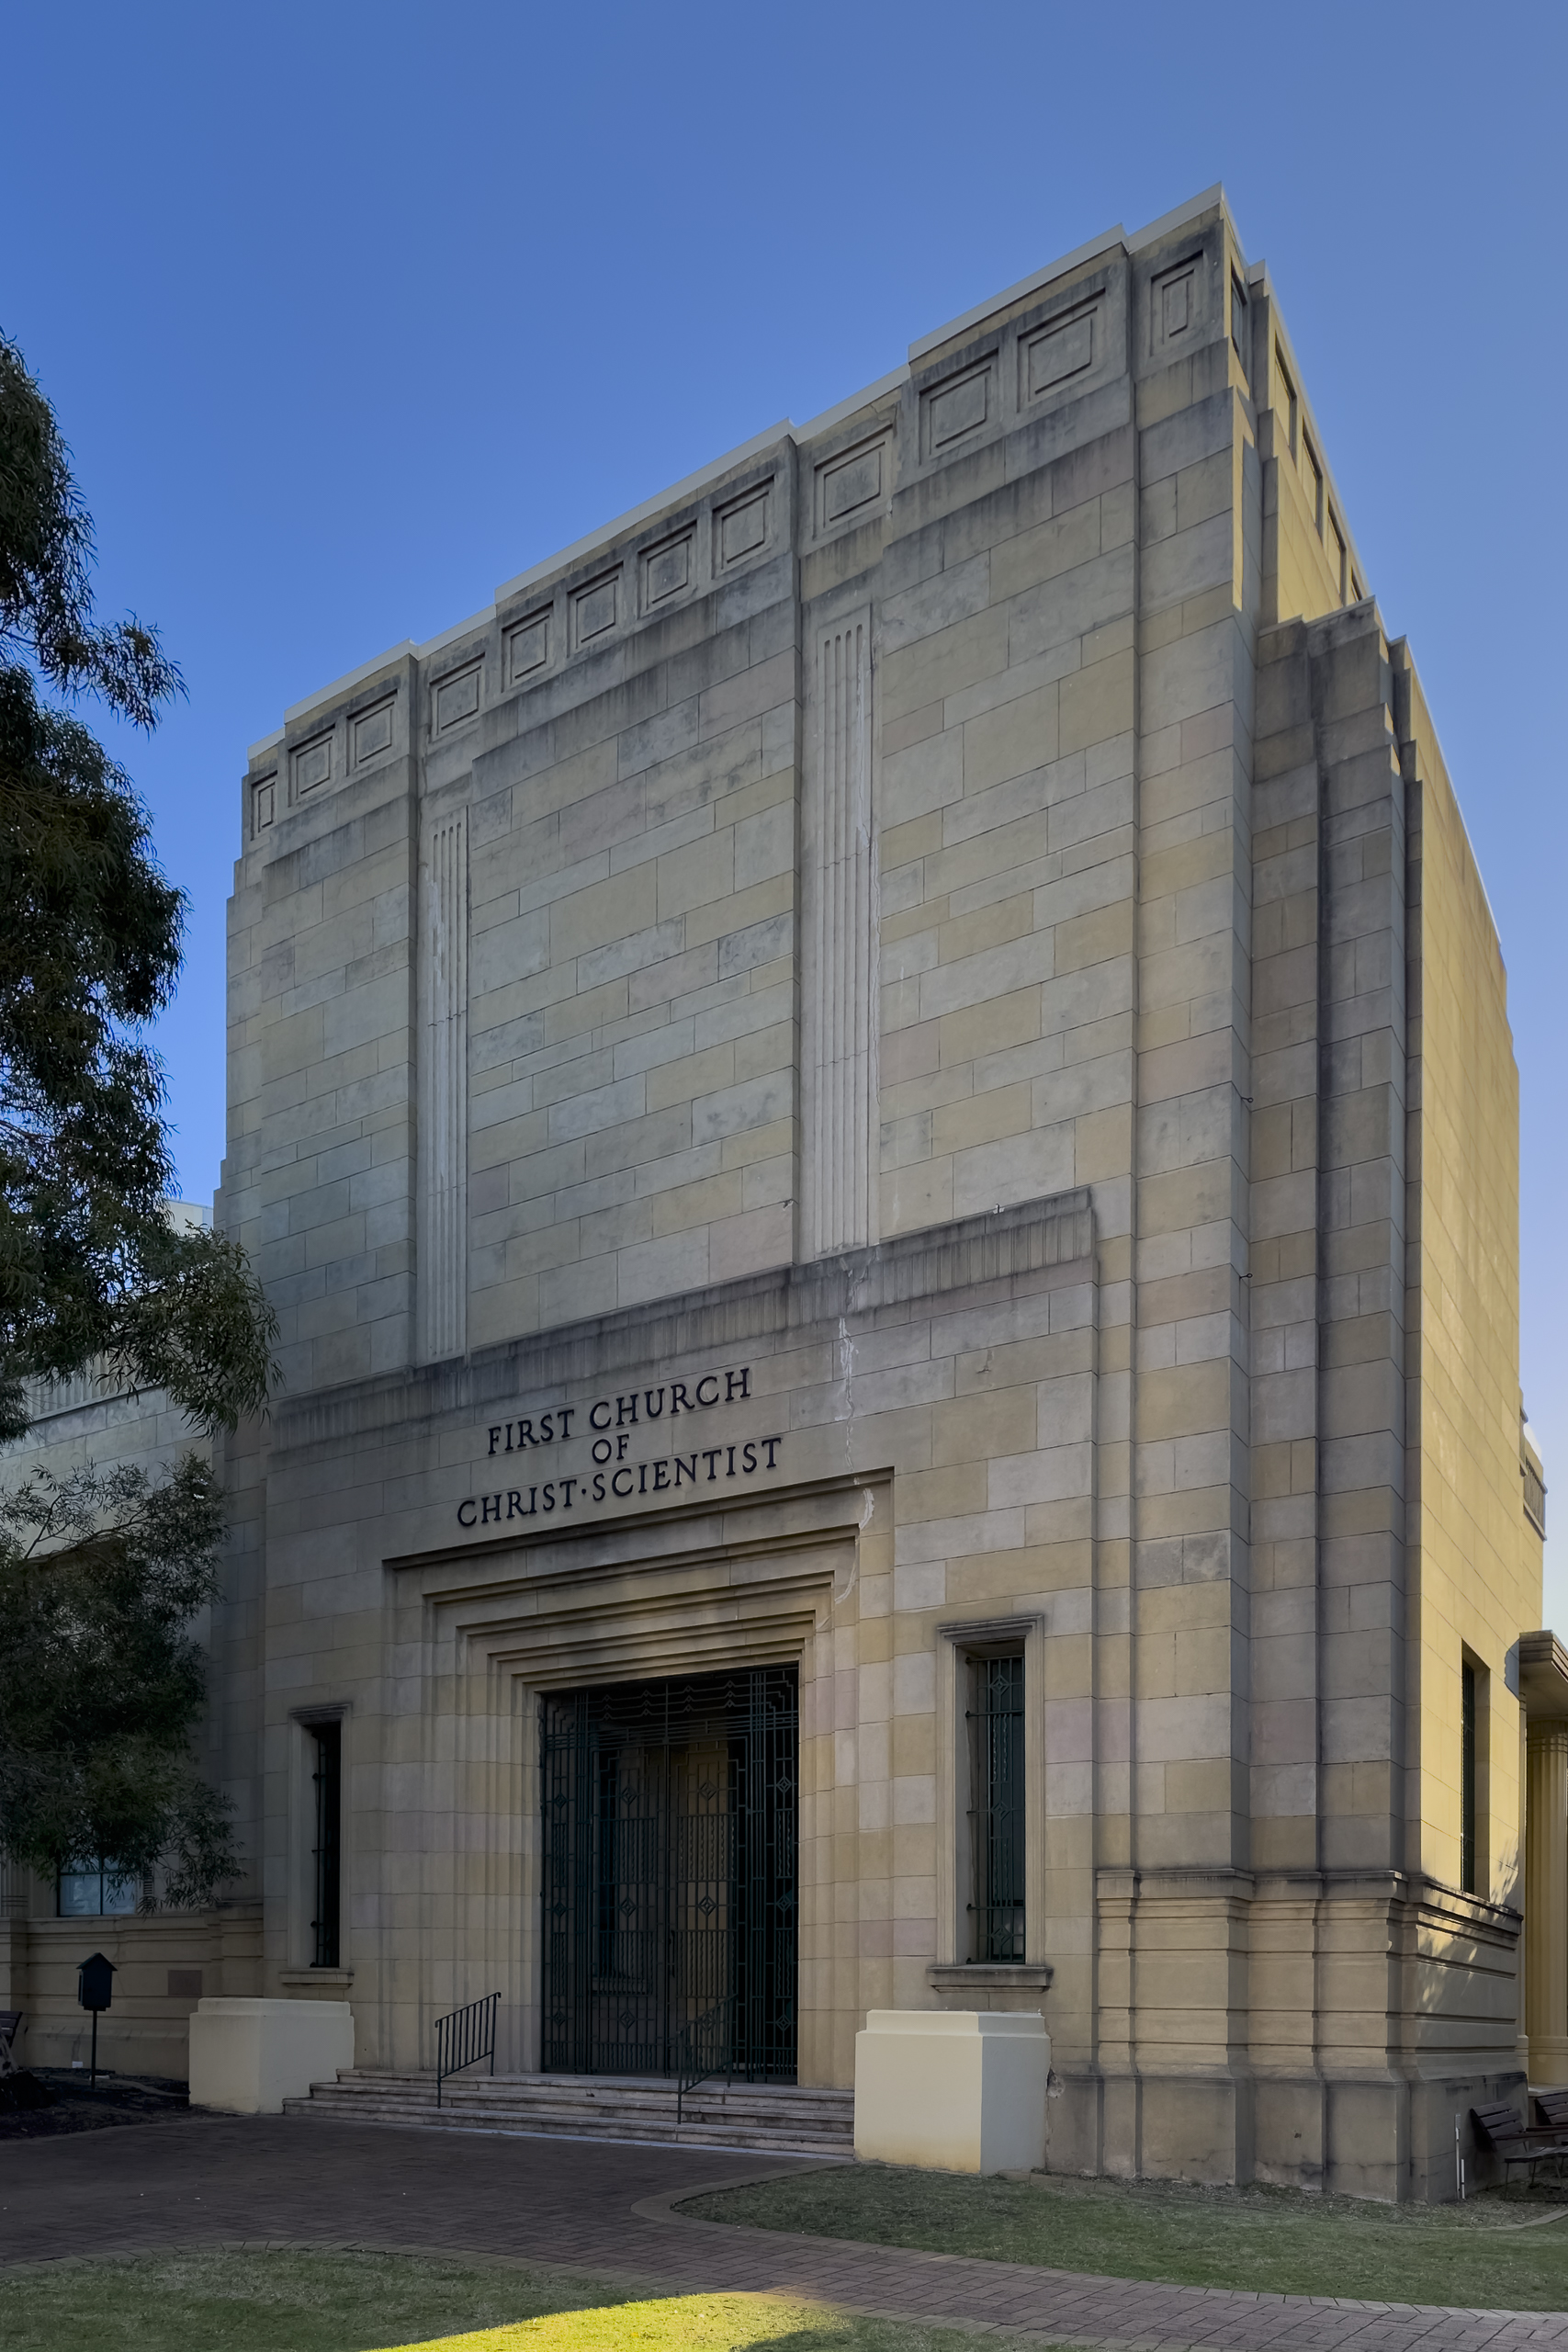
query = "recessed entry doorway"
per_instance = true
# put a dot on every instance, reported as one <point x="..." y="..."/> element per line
<point x="671" y="1841"/>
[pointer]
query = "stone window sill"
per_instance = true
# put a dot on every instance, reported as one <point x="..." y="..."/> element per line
<point x="983" y="1976"/>
<point x="334" y="1979"/>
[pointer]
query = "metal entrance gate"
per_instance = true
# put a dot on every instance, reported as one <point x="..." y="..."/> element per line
<point x="670" y="1844"/>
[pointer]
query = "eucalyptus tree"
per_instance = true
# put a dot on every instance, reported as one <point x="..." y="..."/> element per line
<point x="100" y="1576"/>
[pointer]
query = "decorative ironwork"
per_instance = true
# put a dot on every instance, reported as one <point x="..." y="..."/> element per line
<point x="670" y="1845"/>
<point x="464" y="2038"/>
<point x="706" y="2047"/>
<point x="996" y="1722"/>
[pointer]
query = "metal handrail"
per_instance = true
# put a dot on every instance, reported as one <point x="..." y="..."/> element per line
<point x="464" y="2038"/>
<point x="694" y="2066"/>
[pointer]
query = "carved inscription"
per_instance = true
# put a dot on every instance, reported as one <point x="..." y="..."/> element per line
<point x="620" y="1430"/>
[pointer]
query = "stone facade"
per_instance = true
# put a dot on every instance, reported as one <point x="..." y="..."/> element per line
<point x="165" y="1964"/>
<point x="944" y="948"/>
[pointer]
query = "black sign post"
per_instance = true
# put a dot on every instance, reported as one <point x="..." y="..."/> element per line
<point x="95" y="1992"/>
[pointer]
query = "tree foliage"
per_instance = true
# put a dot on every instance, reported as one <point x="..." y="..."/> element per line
<point x="89" y="952"/>
<point x="100" y="1576"/>
<point x="101" y="1682"/>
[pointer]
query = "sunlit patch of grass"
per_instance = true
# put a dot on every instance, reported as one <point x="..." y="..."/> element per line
<point x="302" y="2300"/>
<point x="710" y="2324"/>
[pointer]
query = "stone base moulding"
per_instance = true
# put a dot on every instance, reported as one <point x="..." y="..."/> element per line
<point x="953" y="2090"/>
<point x="247" y="2056"/>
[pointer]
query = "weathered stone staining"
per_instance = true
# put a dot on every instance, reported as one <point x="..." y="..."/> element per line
<point x="898" y="1064"/>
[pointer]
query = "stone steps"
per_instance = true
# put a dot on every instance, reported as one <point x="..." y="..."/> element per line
<point x="773" y="2118"/>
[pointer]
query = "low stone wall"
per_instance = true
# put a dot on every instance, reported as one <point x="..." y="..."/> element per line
<point x="164" y="1965"/>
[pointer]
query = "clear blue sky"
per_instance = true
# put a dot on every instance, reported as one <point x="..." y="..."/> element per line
<point x="351" y="313"/>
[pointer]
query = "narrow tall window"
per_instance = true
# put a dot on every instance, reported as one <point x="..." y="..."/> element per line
<point x="1467" y="1779"/>
<point x="328" y="1784"/>
<point x="1314" y="484"/>
<point x="1238" y="319"/>
<point x="996" y="1812"/>
<point x="1292" y="410"/>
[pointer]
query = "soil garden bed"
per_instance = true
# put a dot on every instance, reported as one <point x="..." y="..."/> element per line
<point x="42" y="2102"/>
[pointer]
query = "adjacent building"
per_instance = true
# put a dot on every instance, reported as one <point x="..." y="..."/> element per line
<point x="880" y="1112"/>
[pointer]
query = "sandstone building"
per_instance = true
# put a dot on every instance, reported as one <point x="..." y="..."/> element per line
<point x="880" y="1111"/>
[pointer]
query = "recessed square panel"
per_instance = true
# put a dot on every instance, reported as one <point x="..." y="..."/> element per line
<point x="667" y="569"/>
<point x="1056" y="353"/>
<point x="1177" y="305"/>
<point x="313" y="765"/>
<point x="527" y="647"/>
<point x="457" y="697"/>
<point x="957" y="409"/>
<point x="264" y="802"/>
<point x="371" y="732"/>
<point x="596" y="608"/>
<point x="847" y="485"/>
<point x="739" y="528"/>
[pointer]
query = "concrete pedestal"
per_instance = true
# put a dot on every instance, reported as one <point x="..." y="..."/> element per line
<point x="954" y="2090"/>
<point x="248" y="2057"/>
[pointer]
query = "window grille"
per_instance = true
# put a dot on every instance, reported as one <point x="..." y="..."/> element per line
<point x="670" y="1900"/>
<point x="327" y="1782"/>
<point x="996" y="1812"/>
<point x="1467" y="1779"/>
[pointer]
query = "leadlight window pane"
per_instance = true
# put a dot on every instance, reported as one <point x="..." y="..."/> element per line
<point x="90" y="1893"/>
<point x="996" y="1725"/>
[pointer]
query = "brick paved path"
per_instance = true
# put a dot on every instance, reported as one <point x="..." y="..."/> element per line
<point x="601" y="2208"/>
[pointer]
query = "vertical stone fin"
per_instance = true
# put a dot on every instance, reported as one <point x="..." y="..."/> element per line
<point x="443" y="1087"/>
<point x="839" y="948"/>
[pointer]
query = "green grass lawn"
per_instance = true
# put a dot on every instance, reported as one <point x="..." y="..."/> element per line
<point x="1266" y="2241"/>
<point x="292" y="2302"/>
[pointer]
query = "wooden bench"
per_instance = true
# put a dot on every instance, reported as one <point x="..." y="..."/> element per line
<point x="1498" y="2127"/>
<point x="10" y="2027"/>
<point x="1553" y="2109"/>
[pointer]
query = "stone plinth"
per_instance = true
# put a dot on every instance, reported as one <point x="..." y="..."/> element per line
<point x="248" y="2057"/>
<point x="953" y="2090"/>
